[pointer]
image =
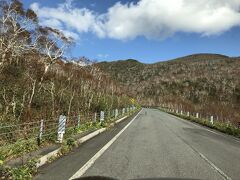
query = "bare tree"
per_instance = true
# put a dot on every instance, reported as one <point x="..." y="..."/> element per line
<point x="16" y="26"/>
<point x="52" y="43"/>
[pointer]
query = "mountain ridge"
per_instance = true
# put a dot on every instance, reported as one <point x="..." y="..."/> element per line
<point x="198" y="82"/>
<point x="209" y="56"/>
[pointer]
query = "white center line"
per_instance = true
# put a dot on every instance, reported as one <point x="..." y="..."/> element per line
<point x="86" y="166"/>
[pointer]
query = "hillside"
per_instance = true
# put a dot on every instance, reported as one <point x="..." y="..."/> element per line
<point x="207" y="83"/>
<point x="36" y="81"/>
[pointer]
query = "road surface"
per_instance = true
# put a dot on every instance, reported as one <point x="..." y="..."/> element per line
<point x="155" y="144"/>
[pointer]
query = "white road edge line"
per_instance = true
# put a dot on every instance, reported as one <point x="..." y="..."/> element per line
<point x="214" y="167"/>
<point x="211" y="164"/>
<point x="88" y="164"/>
<point x="206" y="128"/>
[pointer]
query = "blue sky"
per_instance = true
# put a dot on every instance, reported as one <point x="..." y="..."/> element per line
<point x="108" y="31"/>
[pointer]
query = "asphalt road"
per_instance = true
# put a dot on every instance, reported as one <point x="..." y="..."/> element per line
<point x="155" y="144"/>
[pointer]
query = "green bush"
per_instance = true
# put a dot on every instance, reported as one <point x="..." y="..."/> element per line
<point x="19" y="173"/>
<point x="71" y="142"/>
<point x="64" y="149"/>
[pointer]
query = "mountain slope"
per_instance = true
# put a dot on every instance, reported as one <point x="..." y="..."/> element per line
<point x="207" y="83"/>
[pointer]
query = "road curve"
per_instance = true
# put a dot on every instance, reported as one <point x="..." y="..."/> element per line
<point x="157" y="144"/>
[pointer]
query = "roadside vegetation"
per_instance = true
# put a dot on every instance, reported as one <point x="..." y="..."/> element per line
<point x="28" y="169"/>
<point x="221" y="126"/>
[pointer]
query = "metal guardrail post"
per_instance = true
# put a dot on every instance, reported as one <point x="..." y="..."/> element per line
<point x="61" y="128"/>
<point x="39" y="139"/>
<point x="101" y="116"/>
<point x="116" y="113"/>
<point x="79" y="119"/>
<point x="197" y="115"/>
<point x="211" y="120"/>
<point x="95" y="117"/>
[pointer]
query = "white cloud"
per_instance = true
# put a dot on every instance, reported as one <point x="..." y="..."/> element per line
<point x="54" y="23"/>
<point x="103" y="55"/>
<point x="66" y="18"/>
<point x="149" y="18"/>
<point x="161" y="18"/>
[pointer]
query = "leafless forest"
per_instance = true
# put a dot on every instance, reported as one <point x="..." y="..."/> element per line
<point x="36" y="82"/>
<point x="204" y="83"/>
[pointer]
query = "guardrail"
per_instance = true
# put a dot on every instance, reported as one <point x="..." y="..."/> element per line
<point x="209" y="121"/>
<point x="42" y="129"/>
<point x="211" y="118"/>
